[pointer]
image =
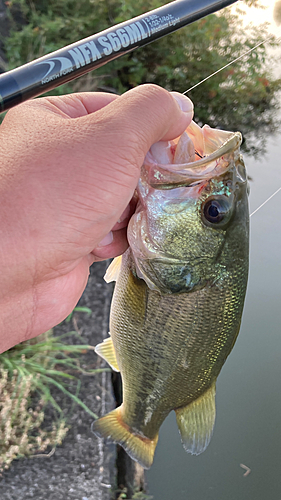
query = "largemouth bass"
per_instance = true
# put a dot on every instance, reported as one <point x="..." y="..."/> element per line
<point x="180" y="290"/>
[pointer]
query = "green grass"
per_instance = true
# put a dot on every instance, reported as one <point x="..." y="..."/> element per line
<point x="21" y="432"/>
<point x="49" y="362"/>
<point x="28" y="373"/>
<point x="86" y="310"/>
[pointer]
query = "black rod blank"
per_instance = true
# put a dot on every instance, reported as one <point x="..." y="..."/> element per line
<point x="72" y="61"/>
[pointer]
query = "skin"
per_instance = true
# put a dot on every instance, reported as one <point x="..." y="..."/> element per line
<point x="69" y="168"/>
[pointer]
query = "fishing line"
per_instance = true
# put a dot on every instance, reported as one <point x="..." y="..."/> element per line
<point x="264" y="203"/>
<point x="234" y="60"/>
<point x="70" y="62"/>
<point x="218" y="71"/>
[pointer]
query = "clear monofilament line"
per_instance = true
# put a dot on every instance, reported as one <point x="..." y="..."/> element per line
<point x="218" y="71"/>
<point x="229" y="64"/>
<point x="264" y="203"/>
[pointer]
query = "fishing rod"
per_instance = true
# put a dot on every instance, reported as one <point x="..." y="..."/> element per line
<point x="70" y="62"/>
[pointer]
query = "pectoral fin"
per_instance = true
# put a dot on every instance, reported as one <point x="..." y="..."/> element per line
<point x="106" y="351"/>
<point x="196" y="422"/>
<point x="113" y="270"/>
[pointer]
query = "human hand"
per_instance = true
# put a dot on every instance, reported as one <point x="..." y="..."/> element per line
<point x="69" y="168"/>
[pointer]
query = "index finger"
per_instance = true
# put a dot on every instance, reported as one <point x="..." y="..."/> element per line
<point x="75" y="105"/>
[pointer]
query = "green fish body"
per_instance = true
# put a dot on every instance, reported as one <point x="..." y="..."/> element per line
<point x="179" y="293"/>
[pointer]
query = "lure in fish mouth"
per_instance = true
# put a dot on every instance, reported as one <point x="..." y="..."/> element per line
<point x="180" y="289"/>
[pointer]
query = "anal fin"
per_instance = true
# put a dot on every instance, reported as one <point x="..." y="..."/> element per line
<point x="196" y="422"/>
<point x="106" y="351"/>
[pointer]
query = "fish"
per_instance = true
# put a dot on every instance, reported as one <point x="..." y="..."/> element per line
<point x="180" y="288"/>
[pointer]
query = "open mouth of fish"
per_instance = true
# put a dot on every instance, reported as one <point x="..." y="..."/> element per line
<point x="198" y="154"/>
<point x="173" y="176"/>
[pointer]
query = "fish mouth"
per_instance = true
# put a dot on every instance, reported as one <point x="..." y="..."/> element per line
<point x="190" y="162"/>
<point x="216" y="149"/>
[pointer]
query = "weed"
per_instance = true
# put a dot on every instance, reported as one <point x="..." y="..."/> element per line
<point x="20" y="425"/>
<point x="51" y="359"/>
<point x="28" y="372"/>
<point x="86" y="310"/>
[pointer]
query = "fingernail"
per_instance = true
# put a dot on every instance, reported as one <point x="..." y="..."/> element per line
<point x="106" y="240"/>
<point x="125" y="214"/>
<point x="185" y="104"/>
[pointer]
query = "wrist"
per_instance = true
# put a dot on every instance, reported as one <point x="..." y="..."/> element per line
<point x="28" y="313"/>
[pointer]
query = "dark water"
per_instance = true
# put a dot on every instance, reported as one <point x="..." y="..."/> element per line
<point x="248" y="424"/>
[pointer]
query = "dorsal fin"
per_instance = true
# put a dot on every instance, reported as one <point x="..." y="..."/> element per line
<point x="196" y="422"/>
<point x="113" y="270"/>
<point x="106" y="351"/>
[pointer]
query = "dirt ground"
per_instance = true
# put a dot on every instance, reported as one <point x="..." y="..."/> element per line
<point x="82" y="468"/>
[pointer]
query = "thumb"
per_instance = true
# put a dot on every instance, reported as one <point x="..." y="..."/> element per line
<point x="152" y="113"/>
<point x="127" y="127"/>
<point x="118" y="136"/>
<point x="141" y="117"/>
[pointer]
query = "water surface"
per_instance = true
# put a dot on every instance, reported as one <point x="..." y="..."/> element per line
<point x="247" y="429"/>
<point x="248" y="423"/>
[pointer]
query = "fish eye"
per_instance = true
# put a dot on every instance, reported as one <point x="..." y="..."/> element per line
<point x="217" y="211"/>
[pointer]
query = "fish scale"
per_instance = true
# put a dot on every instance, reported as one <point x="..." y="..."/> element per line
<point x="179" y="296"/>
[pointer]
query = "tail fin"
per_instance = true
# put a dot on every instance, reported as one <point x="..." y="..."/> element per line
<point x="138" y="447"/>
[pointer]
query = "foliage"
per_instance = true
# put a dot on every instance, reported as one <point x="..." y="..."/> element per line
<point x="242" y="97"/>
<point x="86" y="310"/>
<point x="28" y="372"/>
<point x="21" y="430"/>
<point x="47" y="359"/>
